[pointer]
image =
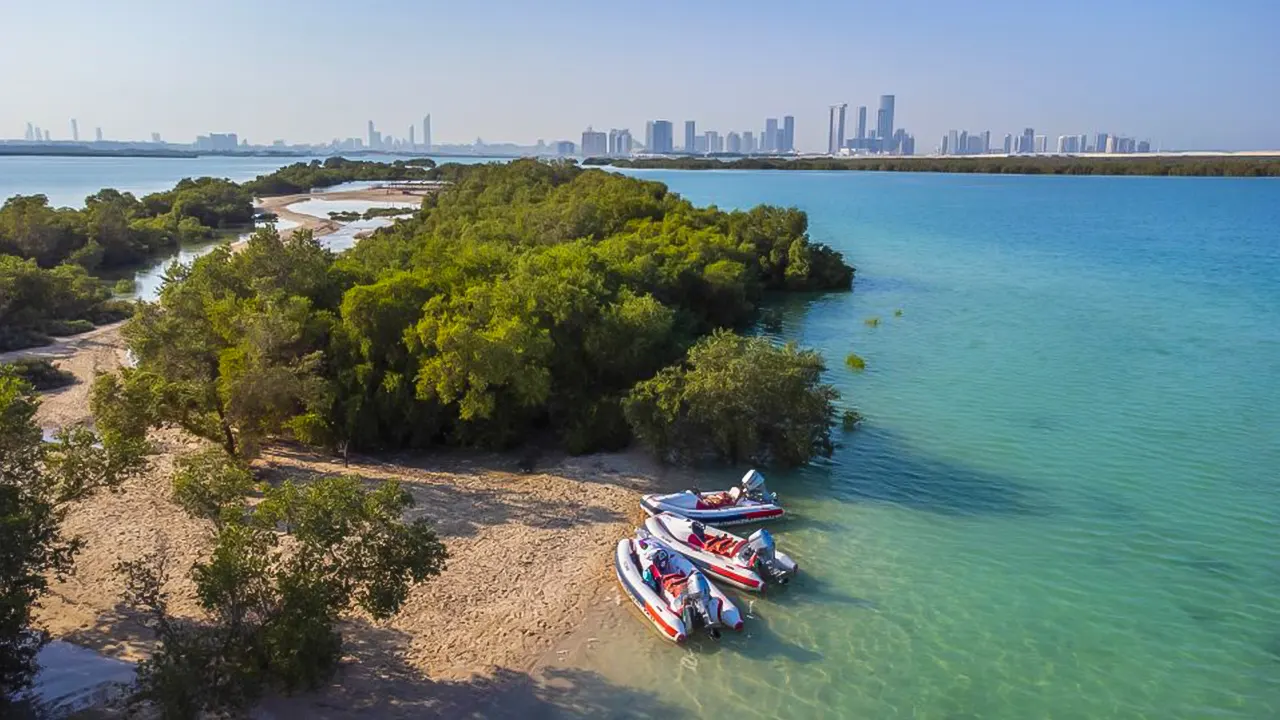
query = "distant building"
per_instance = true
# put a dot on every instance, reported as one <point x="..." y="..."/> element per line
<point x="426" y="132"/>
<point x="986" y="141"/>
<point x="1008" y="144"/>
<point x="884" y="121"/>
<point x="1144" y="146"/>
<point x="962" y="142"/>
<point x="1110" y="144"/>
<point x="953" y="143"/>
<point x="1082" y="143"/>
<point x="373" y="140"/>
<point x="712" y="142"/>
<point x="1028" y="142"/>
<point x="663" y="141"/>
<point x="769" y="141"/>
<point x="748" y="142"/>
<point x="1042" y="144"/>
<point x="97" y="134"/>
<point x="788" y="134"/>
<point x="155" y="138"/>
<point x="411" y="143"/>
<point x="594" y="143"/>
<point x="907" y="146"/>
<point x="944" y="147"/>
<point x="733" y="143"/>
<point x="974" y="145"/>
<point x="862" y="123"/>
<point x="690" y="136"/>
<point x="835" y="128"/>
<point x="564" y="148"/>
<point x="1100" y="143"/>
<point x="1062" y="144"/>
<point x="75" y="131"/>
<point x="30" y="134"/>
<point x="648" y="136"/>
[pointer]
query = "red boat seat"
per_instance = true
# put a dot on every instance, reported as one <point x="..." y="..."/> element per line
<point x="724" y="545"/>
<point x="712" y="502"/>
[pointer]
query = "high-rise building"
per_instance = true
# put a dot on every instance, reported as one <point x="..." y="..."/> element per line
<point x="733" y="143"/>
<point x="75" y="131"/>
<point x="862" y="122"/>
<point x="1144" y="146"/>
<point x="690" y="136"/>
<point x="831" y="130"/>
<point x="748" y="142"/>
<point x="1008" y="143"/>
<point x="372" y="142"/>
<point x="974" y="146"/>
<point x="953" y="143"/>
<point x="30" y="134"/>
<point x="155" y="137"/>
<point x="47" y="138"/>
<point x="1110" y="145"/>
<point x="426" y="132"/>
<point x="986" y="141"/>
<point x="1100" y="143"/>
<point x="962" y="142"/>
<point x="908" y="145"/>
<point x="648" y="136"/>
<point x="624" y="142"/>
<point x="411" y="143"/>
<point x="944" y="146"/>
<point x="564" y="148"/>
<point x="1028" y="142"/>
<point x="1082" y="143"/>
<point x="884" y="121"/>
<point x="662" y="137"/>
<point x="769" y="141"/>
<point x="594" y="143"/>
<point x="97" y="134"/>
<point x="840" y="129"/>
<point x="713" y="142"/>
<point x="1062" y="145"/>
<point x="788" y="134"/>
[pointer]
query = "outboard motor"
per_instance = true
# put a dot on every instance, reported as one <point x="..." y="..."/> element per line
<point x="754" y="488"/>
<point x="761" y="554"/>
<point x="697" y="605"/>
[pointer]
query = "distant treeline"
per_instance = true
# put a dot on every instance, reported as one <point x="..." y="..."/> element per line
<point x="1215" y="166"/>
<point x="303" y="177"/>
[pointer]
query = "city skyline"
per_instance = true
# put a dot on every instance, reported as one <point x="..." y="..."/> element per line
<point x="1196" y="76"/>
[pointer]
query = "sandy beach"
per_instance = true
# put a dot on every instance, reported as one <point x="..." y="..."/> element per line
<point x="528" y="580"/>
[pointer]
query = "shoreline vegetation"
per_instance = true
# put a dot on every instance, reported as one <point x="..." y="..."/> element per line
<point x="530" y="305"/>
<point x="1181" y="165"/>
<point x="49" y="256"/>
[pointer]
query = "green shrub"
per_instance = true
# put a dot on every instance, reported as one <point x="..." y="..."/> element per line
<point x="124" y="286"/>
<point x="41" y="374"/>
<point x="855" y="362"/>
<point x="63" y="328"/>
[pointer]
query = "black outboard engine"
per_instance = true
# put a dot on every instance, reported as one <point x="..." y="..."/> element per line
<point x="761" y="555"/>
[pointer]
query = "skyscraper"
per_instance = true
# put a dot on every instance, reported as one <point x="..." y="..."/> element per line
<point x="1082" y="143"/>
<point x="30" y="134"/>
<point x="714" y="143"/>
<point x="426" y="132"/>
<point x="884" y="122"/>
<point x="943" y="146"/>
<point x="788" y="134"/>
<point x="769" y="142"/>
<point x="624" y="142"/>
<point x="962" y="143"/>
<point x="986" y="141"/>
<point x="831" y="130"/>
<point x="662" y="137"/>
<point x="690" y="136"/>
<point x="1028" y="143"/>
<point x="953" y="142"/>
<point x="1100" y="143"/>
<point x="97" y="134"/>
<point x="648" y="136"/>
<point x="840" y="128"/>
<point x="862" y="122"/>
<point x="411" y="137"/>
<point x="748" y="142"/>
<point x="594" y="143"/>
<point x="733" y="143"/>
<point x="75" y="131"/>
<point x="1008" y="143"/>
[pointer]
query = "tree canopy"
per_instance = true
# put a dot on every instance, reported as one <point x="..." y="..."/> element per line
<point x="525" y="300"/>
<point x="305" y="176"/>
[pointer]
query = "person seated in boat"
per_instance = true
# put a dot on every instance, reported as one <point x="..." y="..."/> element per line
<point x="720" y="499"/>
<point x="697" y="534"/>
<point x="658" y="568"/>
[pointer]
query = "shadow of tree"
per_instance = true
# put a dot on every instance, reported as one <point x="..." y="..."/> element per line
<point x="376" y="682"/>
<point x="878" y="465"/>
<point x="115" y="632"/>
<point x="454" y="506"/>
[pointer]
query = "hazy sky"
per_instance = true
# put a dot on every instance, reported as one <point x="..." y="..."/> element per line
<point x="1185" y="74"/>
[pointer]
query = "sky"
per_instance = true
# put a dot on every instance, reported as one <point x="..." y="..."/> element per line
<point x="1187" y="75"/>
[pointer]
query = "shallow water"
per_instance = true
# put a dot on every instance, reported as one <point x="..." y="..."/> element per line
<point x="1064" y="502"/>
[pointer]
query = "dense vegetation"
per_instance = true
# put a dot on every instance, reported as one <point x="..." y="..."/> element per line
<point x="526" y="300"/>
<point x="116" y="229"/>
<point x="38" y="482"/>
<point x="1016" y="165"/>
<point x="304" y="176"/>
<point x="37" y="303"/>
<point x="39" y="373"/>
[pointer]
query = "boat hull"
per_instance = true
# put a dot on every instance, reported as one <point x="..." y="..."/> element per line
<point x="667" y="623"/>
<point x="674" y="531"/>
<point x="684" y="505"/>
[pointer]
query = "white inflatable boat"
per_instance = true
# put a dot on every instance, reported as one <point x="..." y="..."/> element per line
<point x="749" y="502"/>
<point x="670" y="591"/>
<point x="747" y="563"/>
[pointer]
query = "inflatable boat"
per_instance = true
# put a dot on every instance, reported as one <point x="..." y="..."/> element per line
<point x="747" y="563"/>
<point x="670" y="590"/>
<point x="748" y="502"/>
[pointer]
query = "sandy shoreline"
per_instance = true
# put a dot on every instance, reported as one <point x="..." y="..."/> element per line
<point x="529" y="576"/>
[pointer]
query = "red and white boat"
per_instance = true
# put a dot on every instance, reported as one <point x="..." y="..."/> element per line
<point x="748" y="502"/>
<point x="747" y="563"/>
<point x="670" y="590"/>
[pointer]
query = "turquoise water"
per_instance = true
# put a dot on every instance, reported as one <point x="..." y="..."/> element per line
<point x="1064" y="502"/>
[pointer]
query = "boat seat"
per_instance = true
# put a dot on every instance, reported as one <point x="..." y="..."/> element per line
<point x="712" y="502"/>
